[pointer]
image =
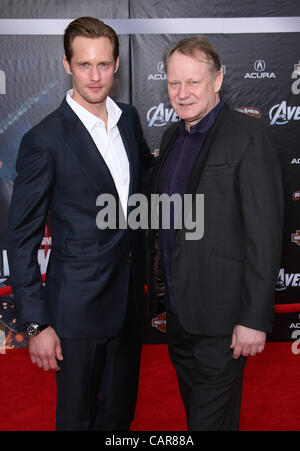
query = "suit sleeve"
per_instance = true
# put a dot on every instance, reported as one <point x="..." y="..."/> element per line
<point x="28" y="213"/>
<point x="262" y="206"/>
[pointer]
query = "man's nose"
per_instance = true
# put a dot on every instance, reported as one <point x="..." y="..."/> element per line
<point x="95" y="74"/>
<point x="183" y="92"/>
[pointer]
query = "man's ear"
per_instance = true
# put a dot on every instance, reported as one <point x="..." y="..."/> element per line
<point x="67" y="65"/>
<point x="117" y="65"/>
<point x="218" y="81"/>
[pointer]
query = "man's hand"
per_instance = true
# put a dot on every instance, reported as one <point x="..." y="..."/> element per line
<point x="45" y="348"/>
<point x="246" y="341"/>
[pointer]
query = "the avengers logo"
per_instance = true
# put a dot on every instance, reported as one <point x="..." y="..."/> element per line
<point x="281" y="113"/>
<point x="159" y="115"/>
<point x="286" y="280"/>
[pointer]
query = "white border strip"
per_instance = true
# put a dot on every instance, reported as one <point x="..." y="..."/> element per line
<point x="160" y="26"/>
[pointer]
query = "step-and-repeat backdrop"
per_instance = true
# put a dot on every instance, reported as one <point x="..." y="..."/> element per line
<point x="259" y="45"/>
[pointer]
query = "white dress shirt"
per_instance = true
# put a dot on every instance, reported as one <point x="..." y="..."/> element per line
<point x="109" y="143"/>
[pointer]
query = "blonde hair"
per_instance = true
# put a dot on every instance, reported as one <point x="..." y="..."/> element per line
<point x="190" y="47"/>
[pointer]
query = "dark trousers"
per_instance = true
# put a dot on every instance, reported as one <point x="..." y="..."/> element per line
<point x="210" y="380"/>
<point x="98" y="382"/>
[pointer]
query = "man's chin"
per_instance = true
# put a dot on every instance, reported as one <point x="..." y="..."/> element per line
<point x="184" y="112"/>
<point x="90" y="98"/>
<point x="185" y="117"/>
<point x="96" y="98"/>
<point x="96" y="101"/>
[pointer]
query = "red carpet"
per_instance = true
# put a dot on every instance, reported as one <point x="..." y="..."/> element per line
<point x="270" y="397"/>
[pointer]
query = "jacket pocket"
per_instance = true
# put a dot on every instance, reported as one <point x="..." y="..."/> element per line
<point x="218" y="169"/>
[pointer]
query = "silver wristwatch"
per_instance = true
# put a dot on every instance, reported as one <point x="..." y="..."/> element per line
<point x="34" y="329"/>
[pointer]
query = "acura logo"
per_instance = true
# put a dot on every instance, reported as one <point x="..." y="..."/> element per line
<point x="259" y="65"/>
<point x="161" y="73"/>
<point x="161" y="67"/>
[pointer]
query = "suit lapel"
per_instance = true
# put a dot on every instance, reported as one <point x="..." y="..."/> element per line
<point x="168" y="141"/>
<point x="126" y="135"/>
<point x="80" y="143"/>
<point x="206" y="150"/>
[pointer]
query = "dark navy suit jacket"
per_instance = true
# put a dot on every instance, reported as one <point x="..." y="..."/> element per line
<point x="60" y="169"/>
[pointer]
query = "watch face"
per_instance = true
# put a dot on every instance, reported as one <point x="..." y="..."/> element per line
<point x="32" y="330"/>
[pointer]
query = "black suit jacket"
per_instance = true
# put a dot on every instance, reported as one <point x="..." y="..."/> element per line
<point x="60" y="169"/>
<point x="228" y="277"/>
